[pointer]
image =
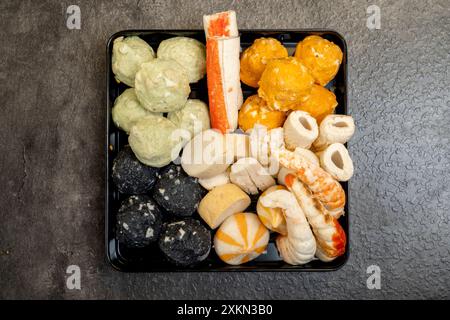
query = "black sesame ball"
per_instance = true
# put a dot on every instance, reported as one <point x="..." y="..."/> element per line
<point x="176" y="192"/>
<point x="130" y="175"/>
<point x="185" y="242"/>
<point x="139" y="222"/>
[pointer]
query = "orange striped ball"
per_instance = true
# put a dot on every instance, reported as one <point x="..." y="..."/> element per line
<point x="241" y="238"/>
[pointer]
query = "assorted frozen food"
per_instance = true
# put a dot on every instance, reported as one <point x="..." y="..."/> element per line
<point x="222" y="67"/>
<point x="127" y="57"/>
<point x="153" y="141"/>
<point x="193" y="117"/>
<point x="222" y="177"/>
<point x="319" y="103"/>
<point x="205" y="156"/>
<point x="221" y="202"/>
<point x="185" y="242"/>
<point x="300" y="130"/>
<point x="298" y="246"/>
<point x="272" y="217"/>
<point x="255" y="111"/>
<point x="139" y="222"/>
<point x="162" y="85"/>
<point x="285" y="83"/>
<point x="130" y="175"/>
<point x="188" y="52"/>
<point x="176" y="192"/>
<point x="128" y="110"/>
<point x="330" y="237"/>
<point x="321" y="57"/>
<point x="254" y="59"/>
<point x="334" y="128"/>
<point x="336" y="160"/>
<point x="241" y="238"/>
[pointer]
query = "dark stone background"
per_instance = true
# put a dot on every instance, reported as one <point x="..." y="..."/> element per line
<point x="52" y="102"/>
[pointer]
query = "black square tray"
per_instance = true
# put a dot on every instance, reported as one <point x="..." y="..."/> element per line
<point x="151" y="260"/>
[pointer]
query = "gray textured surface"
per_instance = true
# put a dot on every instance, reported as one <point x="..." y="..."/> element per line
<point x="52" y="121"/>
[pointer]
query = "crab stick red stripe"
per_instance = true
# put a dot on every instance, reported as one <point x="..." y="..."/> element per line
<point x="217" y="107"/>
<point x="218" y="25"/>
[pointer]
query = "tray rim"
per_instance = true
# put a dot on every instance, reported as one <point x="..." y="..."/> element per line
<point x="226" y="268"/>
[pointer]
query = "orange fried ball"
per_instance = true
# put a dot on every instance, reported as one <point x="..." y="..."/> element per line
<point x="320" y="103"/>
<point x="322" y="57"/>
<point x="255" y="110"/>
<point x="285" y="83"/>
<point x="255" y="58"/>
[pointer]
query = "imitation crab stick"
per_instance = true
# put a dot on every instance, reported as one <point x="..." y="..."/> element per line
<point x="222" y="69"/>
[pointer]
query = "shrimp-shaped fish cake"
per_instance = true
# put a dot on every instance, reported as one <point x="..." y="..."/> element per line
<point x="321" y="183"/>
<point x="330" y="237"/>
<point x="299" y="246"/>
